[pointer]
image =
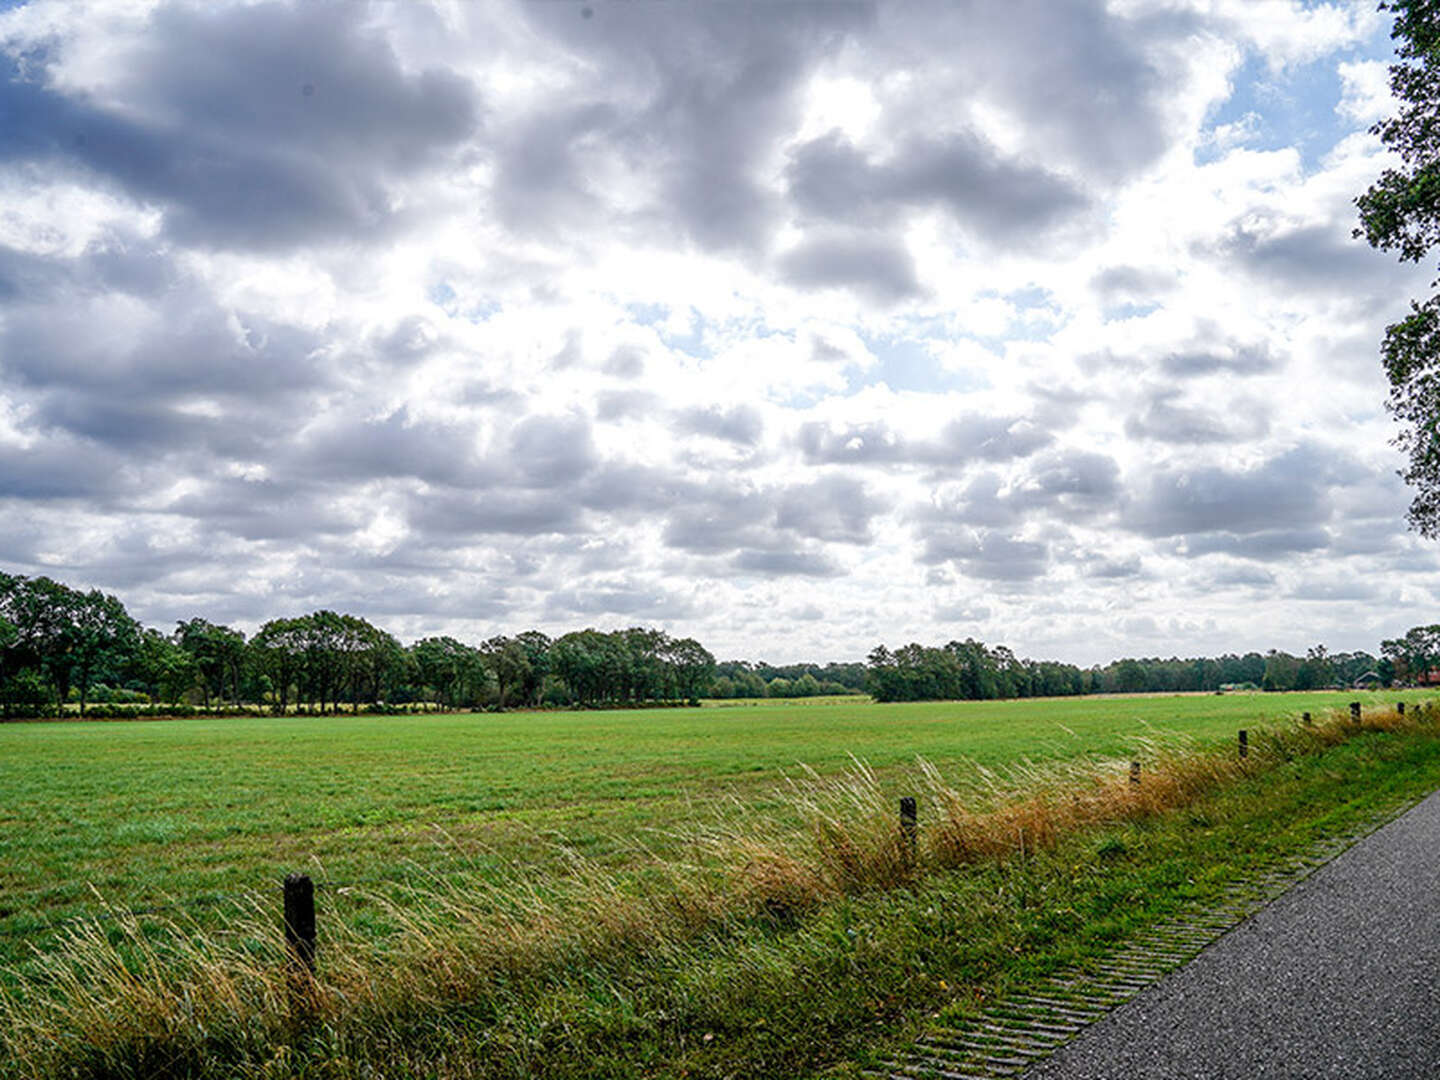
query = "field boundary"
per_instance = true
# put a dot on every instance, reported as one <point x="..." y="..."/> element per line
<point x="1020" y="1029"/>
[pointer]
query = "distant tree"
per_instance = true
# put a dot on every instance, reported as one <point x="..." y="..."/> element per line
<point x="1401" y="212"/>
<point x="1129" y="676"/>
<point x="537" y="657"/>
<point x="102" y="635"/>
<point x="693" y="667"/>
<point x="1316" y="671"/>
<point x="1282" y="671"/>
<point x="278" y="651"/>
<point x="1415" y="654"/>
<point x="218" y="652"/>
<point x="162" y="667"/>
<point x="509" y="664"/>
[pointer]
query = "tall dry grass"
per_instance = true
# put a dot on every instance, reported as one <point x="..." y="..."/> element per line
<point x="171" y="998"/>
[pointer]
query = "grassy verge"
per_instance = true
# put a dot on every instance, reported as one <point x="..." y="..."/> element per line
<point x="776" y="954"/>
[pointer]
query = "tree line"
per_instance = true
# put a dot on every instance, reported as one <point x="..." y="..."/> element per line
<point x="59" y="645"/>
<point x="971" y="670"/>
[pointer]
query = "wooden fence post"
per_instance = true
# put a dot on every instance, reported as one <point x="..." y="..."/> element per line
<point x="1305" y="719"/>
<point x="300" y="921"/>
<point x="1244" y="743"/>
<point x="1400" y="707"/>
<point x="1355" y="712"/>
<point x="908" y="825"/>
<point x="1135" y="773"/>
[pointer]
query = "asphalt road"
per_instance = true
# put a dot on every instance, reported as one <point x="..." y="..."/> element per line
<point x="1340" y="977"/>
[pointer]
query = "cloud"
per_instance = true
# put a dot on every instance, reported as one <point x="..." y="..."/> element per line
<point x="742" y="425"/>
<point x="1164" y="418"/>
<point x="1262" y="545"/>
<point x="786" y="563"/>
<point x="394" y="446"/>
<point x="519" y="317"/>
<point x="289" y="132"/>
<point x="59" y="469"/>
<point x="551" y="451"/>
<point x="964" y="439"/>
<point x="1066" y="485"/>
<point x="522" y="513"/>
<point x="1286" y="492"/>
<point x="1316" y="258"/>
<point x="988" y="555"/>
<point x="625" y="597"/>
<point x="834" y="508"/>
<point x="1001" y="201"/>
<point x="873" y="264"/>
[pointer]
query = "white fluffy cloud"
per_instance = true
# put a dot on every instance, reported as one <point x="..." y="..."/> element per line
<point x="1035" y="322"/>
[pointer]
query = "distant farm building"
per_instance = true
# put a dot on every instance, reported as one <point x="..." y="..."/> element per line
<point x="1369" y="679"/>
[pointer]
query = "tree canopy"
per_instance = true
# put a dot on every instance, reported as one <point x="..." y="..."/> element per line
<point x="1401" y="213"/>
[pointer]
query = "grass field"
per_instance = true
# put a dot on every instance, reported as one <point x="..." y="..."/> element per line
<point x="141" y="813"/>
<point x="788" y="951"/>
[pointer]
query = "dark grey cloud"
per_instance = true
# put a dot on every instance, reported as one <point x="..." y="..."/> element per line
<point x="1114" y="569"/>
<point x="1166" y="417"/>
<point x="1313" y="259"/>
<point x="1072" y="484"/>
<point x="987" y="555"/>
<point x="1031" y="55"/>
<point x="626" y="362"/>
<point x="873" y="264"/>
<point x="834" y="508"/>
<point x="1290" y="491"/>
<point x="265" y="509"/>
<point x="693" y="97"/>
<point x="1001" y="201"/>
<point x="626" y="405"/>
<point x="1333" y="591"/>
<point x="185" y="345"/>
<point x="968" y="438"/>
<point x="786" y="563"/>
<point x="139" y="555"/>
<point x="543" y="184"/>
<point x="1267" y="544"/>
<point x="741" y="424"/>
<point x="720" y="519"/>
<point x="523" y="513"/>
<point x="552" y="451"/>
<point x="394" y="446"/>
<point x="1132" y="285"/>
<point x="255" y="126"/>
<point x="1232" y="358"/>
<point x="625" y="596"/>
<point x="1242" y="575"/>
<point x="1067" y="485"/>
<point x="616" y="486"/>
<point x="773" y="531"/>
<point x="61" y="469"/>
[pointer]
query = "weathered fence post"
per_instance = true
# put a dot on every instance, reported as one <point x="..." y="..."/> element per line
<point x="1244" y="743"/>
<point x="1305" y="719"/>
<point x="1135" y="773"/>
<point x="1355" y="712"/>
<point x="300" y="921"/>
<point x="908" y="826"/>
<point x="1400" y="707"/>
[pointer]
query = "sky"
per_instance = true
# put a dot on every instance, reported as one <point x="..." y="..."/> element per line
<point x="794" y="327"/>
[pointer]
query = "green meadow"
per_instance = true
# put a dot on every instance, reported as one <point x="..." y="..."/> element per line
<point x="525" y="895"/>
<point x="136" y="814"/>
